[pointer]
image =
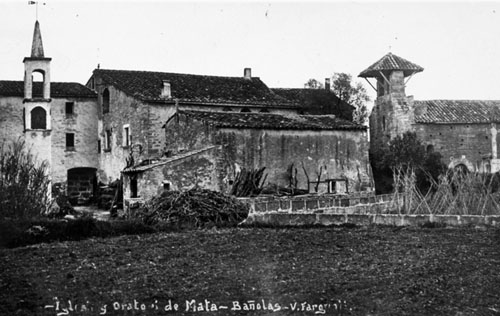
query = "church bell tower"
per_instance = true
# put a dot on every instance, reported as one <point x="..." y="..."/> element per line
<point x="37" y="101"/>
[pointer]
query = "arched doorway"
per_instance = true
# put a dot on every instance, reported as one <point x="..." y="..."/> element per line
<point x="82" y="185"/>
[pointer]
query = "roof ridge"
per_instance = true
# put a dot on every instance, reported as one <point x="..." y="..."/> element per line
<point x="465" y="100"/>
<point x="172" y="73"/>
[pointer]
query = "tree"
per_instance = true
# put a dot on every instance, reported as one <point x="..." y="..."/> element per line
<point x="406" y="152"/>
<point x="353" y="93"/>
<point x="313" y="84"/>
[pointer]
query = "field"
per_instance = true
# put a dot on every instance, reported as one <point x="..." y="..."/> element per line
<point x="331" y="271"/>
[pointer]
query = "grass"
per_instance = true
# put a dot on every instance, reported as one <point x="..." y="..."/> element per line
<point x="353" y="271"/>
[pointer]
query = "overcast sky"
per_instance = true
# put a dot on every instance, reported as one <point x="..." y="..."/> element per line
<point x="285" y="44"/>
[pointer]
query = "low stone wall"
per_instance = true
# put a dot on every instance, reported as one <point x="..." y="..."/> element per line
<point x="354" y="209"/>
<point x="356" y="202"/>
<point x="325" y="219"/>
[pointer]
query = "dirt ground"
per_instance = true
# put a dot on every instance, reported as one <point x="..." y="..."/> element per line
<point x="331" y="271"/>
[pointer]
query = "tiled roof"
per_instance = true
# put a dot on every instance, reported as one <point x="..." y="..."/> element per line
<point x="457" y="111"/>
<point x="391" y="62"/>
<point x="57" y="89"/>
<point x="273" y="121"/>
<point x="147" y="86"/>
<point x="164" y="161"/>
<point x="317" y="101"/>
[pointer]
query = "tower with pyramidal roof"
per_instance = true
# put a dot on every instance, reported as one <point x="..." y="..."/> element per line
<point x="392" y="113"/>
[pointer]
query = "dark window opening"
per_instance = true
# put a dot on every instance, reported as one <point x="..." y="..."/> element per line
<point x="70" y="140"/>
<point x="37" y="79"/>
<point x="126" y="136"/>
<point x="99" y="146"/>
<point x="264" y="110"/>
<point x="107" y="141"/>
<point x="166" y="186"/>
<point x="105" y="101"/>
<point x="133" y="187"/>
<point x="245" y="110"/>
<point x="70" y="108"/>
<point x="383" y="123"/>
<point x="38" y="118"/>
<point x="430" y="149"/>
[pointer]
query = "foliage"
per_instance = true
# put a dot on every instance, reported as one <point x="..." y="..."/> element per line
<point x="24" y="182"/>
<point x="406" y="153"/>
<point x="353" y="93"/>
<point x="313" y="84"/>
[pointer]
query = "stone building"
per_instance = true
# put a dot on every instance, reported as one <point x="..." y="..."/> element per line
<point x="207" y="149"/>
<point x="318" y="101"/>
<point x="139" y="121"/>
<point x="464" y="132"/>
<point x="57" y="120"/>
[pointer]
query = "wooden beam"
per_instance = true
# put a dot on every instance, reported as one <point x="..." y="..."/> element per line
<point x="408" y="79"/>
<point x="371" y="85"/>
<point x="385" y="78"/>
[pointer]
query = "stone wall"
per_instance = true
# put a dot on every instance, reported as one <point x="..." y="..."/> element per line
<point x="83" y="123"/>
<point x="180" y="175"/>
<point x="335" y="154"/>
<point x="123" y="110"/>
<point x="458" y="143"/>
<point x="11" y="118"/>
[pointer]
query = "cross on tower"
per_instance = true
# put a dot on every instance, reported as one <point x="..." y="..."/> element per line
<point x="36" y="4"/>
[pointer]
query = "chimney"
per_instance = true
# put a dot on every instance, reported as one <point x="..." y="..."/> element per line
<point x="327" y="84"/>
<point x="166" y="93"/>
<point x="248" y="73"/>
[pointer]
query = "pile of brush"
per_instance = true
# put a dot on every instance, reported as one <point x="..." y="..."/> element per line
<point x="193" y="208"/>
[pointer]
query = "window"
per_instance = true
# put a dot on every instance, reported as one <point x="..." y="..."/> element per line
<point x="133" y="187"/>
<point x="70" y="141"/>
<point x="430" y="149"/>
<point x="105" y="101"/>
<point x="166" y="186"/>
<point x="38" y="118"/>
<point x="126" y="135"/>
<point x="245" y="110"/>
<point x="38" y="79"/>
<point x="107" y="140"/>
<point x="264" y="110"/>
<point x="383" y="123"/>
<point x="70" y="108"/>
<point x="99" y="146"/>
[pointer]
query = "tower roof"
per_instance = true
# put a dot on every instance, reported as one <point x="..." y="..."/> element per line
<point x="391" y="62"/>
<point x="37" y="46"/>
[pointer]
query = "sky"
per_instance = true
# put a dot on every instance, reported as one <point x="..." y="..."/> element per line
<point x="285" y="43"/>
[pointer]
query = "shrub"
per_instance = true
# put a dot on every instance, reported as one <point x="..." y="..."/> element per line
<point x="24" y="182"/>
<point x="406" y="153"/>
